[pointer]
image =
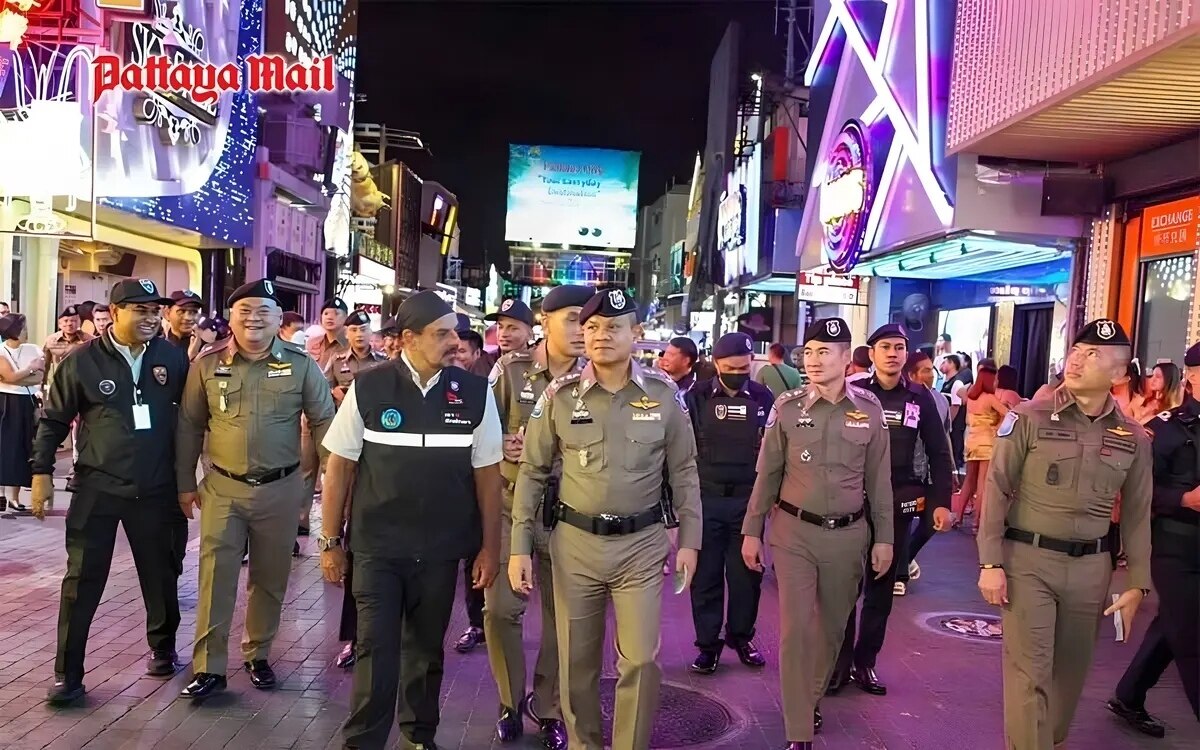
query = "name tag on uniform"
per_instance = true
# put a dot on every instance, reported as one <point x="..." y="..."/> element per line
<point x="279" y="369"/>
<point x="912" y="415"/>
<point x="859" y="425"/>
<point x="581" y="416"/>
<point x="526" y="396"/>
<point x="141" y="416"/>
<point x="1126" y="446"/>
<point x="651" y="416"/>
<point x="453" y="417"/>
<point x="223" y="371"/>
<point x="1045" y="433"/>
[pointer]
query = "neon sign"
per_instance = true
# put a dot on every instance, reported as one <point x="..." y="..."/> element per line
<point x="846" y="197"/>
<point x="731" y="220"/>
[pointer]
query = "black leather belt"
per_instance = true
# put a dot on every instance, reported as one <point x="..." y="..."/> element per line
<point x="825" y="522"/>
<point x="257" y="479"/>
<point x="1066" y="546"/>
<point x="610" y="525"/>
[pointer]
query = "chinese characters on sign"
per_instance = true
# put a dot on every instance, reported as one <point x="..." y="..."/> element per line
<point x="1171" y="227"/>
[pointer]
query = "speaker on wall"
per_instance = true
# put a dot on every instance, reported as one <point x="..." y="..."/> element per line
<point x="1074" y="194"/>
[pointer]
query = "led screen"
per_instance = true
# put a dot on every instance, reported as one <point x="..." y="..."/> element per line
<point x="969" y="329"/>
<point x="572" y="196"/>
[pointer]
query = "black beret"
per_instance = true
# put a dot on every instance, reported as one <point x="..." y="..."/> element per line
<point x="335" y="304"/>
<point x="609" y="303"/>
<point x="1103" y="332"/>
<point x="358" y="318"/>
<point x="515" y="309"/>
<point x="732" y="345"/>
<point x="135" y="291"/>
<point x="389" y="327"/>
<point x="566" y="296"/>
<point x="69" y="311"/>
<point x="420" y="310"/>
<point x="888" y="331"/>
<point x="264" y="288"/>
<point x="186" y="296"/>
<point x="685" y="345"/>
<point x="1192" y="357"/>
<point x="829" y="331"/>
<point x="463" y="324"/>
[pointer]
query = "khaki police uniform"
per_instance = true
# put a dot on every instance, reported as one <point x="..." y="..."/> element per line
<point x="58" y="345"/>
<point x="518" y="380"/>
<point x="817" y="460"/>
<point x="251" y="411"/>
<point x="1056" y="473"/>
<point x="613" y="449"/>
<point x="310" y="462"/>
<point x="342" y="368"/>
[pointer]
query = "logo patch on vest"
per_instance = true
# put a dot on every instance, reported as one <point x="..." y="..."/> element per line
<point x="160" y="374"/>
<point x="391" y="419"/>
<point x="731" y="411"/>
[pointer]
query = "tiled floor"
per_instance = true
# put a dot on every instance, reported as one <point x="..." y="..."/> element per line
<point x="944" y="691"/>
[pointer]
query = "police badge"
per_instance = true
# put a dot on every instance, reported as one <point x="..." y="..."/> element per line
<point x="160" y="374"/>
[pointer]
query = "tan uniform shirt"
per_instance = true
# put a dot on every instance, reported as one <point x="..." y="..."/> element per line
<point x="821" y="457"/>
<point x="328" y="348"/>
<point x="613" y="448"/>
<point x="343" y="367"/>
<point x="251" y="410"/>
<point x="1056" y="472"/>
<point x="58" y="346"/>
<point x="518" y="380"/>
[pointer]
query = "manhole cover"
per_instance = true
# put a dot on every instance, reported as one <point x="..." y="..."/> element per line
<point x="970" y="625"/>
<point x="685" y="717"/>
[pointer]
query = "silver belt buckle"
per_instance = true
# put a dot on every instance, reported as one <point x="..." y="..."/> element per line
<point x="831" y="522"/>
<point x="609" y="518"/>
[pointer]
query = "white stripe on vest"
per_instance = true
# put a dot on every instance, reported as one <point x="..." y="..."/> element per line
<point x="417" y="440"/>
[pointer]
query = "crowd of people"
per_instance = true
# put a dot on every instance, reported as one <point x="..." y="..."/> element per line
<point x="563" y="465"/>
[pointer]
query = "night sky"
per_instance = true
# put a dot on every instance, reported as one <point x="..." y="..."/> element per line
<point x="472" y="77"/>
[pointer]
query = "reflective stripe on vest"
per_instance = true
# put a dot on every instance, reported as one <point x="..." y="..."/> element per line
<point x="417" y="440"/>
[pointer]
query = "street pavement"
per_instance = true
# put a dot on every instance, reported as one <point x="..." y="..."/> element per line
<point x="944" y="688"/>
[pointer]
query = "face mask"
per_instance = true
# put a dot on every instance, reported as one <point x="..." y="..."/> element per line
<point x="734" y="382"/>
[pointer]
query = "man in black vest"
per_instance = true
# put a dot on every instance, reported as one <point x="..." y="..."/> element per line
<point x="124" y="388"/>
<point x="955" y="388"/>
<point x="728" y="415"/>
<point x="420" y="441"/>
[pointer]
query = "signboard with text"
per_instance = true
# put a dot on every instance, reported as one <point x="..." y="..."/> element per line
<point x="845" y="197"/>
<point x="828" y="288"/>
<point x="1171" y="227"/>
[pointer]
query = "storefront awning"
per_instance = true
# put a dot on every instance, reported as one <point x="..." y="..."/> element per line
<point x="965" y="254"/>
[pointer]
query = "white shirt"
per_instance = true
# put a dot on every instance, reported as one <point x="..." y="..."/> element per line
<point x="19" y="359"/>
<point x="956" y="393"/>
<point x="345" y="434"/>
<point x="135" y="363"/>
<point x="857" y="377"/>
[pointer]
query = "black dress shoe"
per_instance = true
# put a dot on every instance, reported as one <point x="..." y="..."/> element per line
<point x="64" y="692"/>
<point x="818" y="721"/>
<point x="750" y="655"/>
<point x="203" y="684"/>
<point x="261" y="674"/>
<point x="706" y="662"/>
<point x="161" y="663"/>
<point x="408" y="744"/>
<point x="867" y="680"/>
<point x="346" y="659"/>
<point x="1137" y="718"/>
<point x="302" y="531"/>
<point x="470" y="638"/>
<point x="798" y="746"/>
<point x="837" y="682"/>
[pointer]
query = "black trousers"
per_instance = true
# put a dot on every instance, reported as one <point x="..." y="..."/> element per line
<point x="876" y="604"/>
<point x="920" y="528"/>
<point x="403" y="611"/>
<point x="1175" y="633"/>
<point x="152" y="531"/>
<point x="472" y="597"/>
<point x="719" y="564"/>
<point x="348" y="626"/>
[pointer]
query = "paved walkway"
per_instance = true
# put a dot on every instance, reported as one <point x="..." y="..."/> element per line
<point x="944" y="689"/>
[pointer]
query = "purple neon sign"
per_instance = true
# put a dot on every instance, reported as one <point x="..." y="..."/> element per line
<point x="845" y="197"/>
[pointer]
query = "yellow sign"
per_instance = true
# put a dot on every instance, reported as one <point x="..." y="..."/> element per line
<point x="844" y="196"/>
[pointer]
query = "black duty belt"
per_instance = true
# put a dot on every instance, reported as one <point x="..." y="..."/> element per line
<point x="1065" y="546"/>
<point x="610" y="525"/>
<point x="825" y="522"/>
<point x="255" y="480"/>
<point x="726" y="489"/>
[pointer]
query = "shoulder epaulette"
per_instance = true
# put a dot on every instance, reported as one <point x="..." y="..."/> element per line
<point x="854" y="393"/>
<point x="509" y="358"/>
<point x="559" y="382"/>
<point x="791" y="395"/>
<point x="217" y="346"/>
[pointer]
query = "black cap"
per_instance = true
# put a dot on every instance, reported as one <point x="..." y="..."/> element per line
<point x="463" y="324"/>
<point x="1103" y="332"/>
<point x="389" y="327"/>
<point x="888" y="331"/>
<point x="264" y="288"/>
<point x="358" y="318"/>
<point x="336" y="303"/>
<point x="732" y="345"/>
<point x="11" y="324"/>
<point x="829" y="331"/>
<point x="515" y="309"/>
<point x="186" y="297"/>
<point x="861" y="356"/>
<point x="136" y="290"/>
<point x="420" y="310"/>
<point x="69" y="311"/>
<point x="215" y="323"/>
<point x="566" y="296"/>
<point x="686" y="345"/>
<point x="610" y="303"/>
<point x="1192" y="357"/>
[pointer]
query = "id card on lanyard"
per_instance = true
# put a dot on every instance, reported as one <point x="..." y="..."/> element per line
<point x="141" y="411"/>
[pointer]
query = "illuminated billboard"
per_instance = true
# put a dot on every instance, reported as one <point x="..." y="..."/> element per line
<point x="572" y="196"/>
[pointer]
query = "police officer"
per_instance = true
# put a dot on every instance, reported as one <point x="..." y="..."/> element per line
<point x="1056" y="470"/>
<point x="728" y="415"/>
<point x="1174" y="562"/>
<point x="614" y="425"/>
<point x="124" y="387"/>
<point x="179" y="324"/>
<point x="333" y="344"/>
<point x="913" y="421"/>
<point x="825" y="447"/>
<point x="247" y="393"/>
<point x="343" y="367"/>
<point x="391" y="338"/>
<point x="65" y="340"/>
<point x="514" y="326"/>
<point x="432" y="428"/>
<point x="518" y="380"/>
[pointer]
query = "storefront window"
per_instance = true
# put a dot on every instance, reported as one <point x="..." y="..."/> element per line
<point x="1167" y="286"/>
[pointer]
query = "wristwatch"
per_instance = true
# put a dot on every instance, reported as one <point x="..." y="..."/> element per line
<point x="326" y="543"/>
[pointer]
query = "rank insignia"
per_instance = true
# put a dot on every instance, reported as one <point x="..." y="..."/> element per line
<point x="806" y="457"/>
<point x="1120" y="431"/>
<point x="857" y="416"/>
<point x="644" y="403"/>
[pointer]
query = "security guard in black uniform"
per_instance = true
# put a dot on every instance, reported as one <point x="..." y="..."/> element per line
<point x="728" y="414"/>
<point x="1174" y="562"/>
<point x="911" y="417"/>
<point x="124" y="387"/>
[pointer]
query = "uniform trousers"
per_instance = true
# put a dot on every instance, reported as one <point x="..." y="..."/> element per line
<point x="472" y="597"/>
<point x="590" y="571"/>
<point x="919" y="534"/>
<point x="877" y="597"/>
<point x="718" y="564"/>
<point x="503" y="615"/>
<point x="91" y="535"/>
<point x="310" y="470"/>
<point x="819" y="571"/>
<point x="1050" y="624"/>
<point x="232" y="513"/>
<point x="1175" y="633"/>
<point x="404" y="608"/>
<point x="348" y="624"/>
